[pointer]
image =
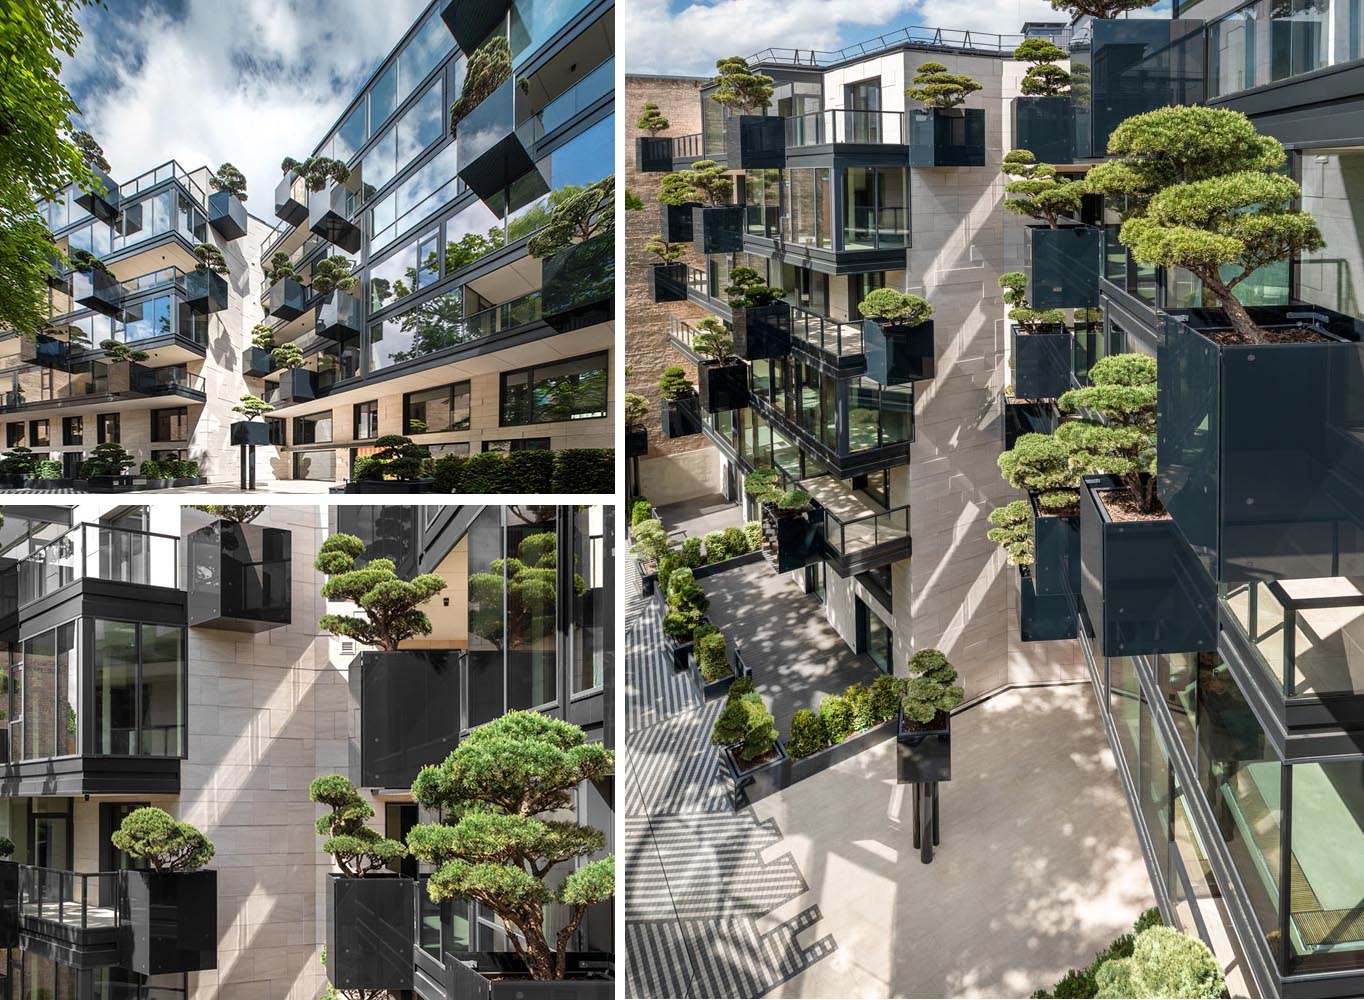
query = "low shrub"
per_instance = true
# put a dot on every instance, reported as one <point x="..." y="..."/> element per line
<point x="670" y="562"/>
<point x="680" y="626"/>
<point x="640" y="511"/>
<point x="712" y="654"/>
<point x="716" y="548"/>
<point x="530" y="471"/>
<point x="154" y="469"/>
<point x="1082" y="984"/>
<point x="745" y="723"/>
<point x="736" y="542"/>
<point x="447" y="471"/>
<point x="753" y="535"/>
<point x="691" y="552"/>
<point x="807" y="735"/>
<point x="585" y="470"/>
<point x="858" y="698"/>
<point x="836" y="714"/>
<point x="651" y="542"/>
<point x="1163" y="963"/>
<point x="47" y="468"/>
<point x="485" y="472"/>
<point x="886" y="692"/>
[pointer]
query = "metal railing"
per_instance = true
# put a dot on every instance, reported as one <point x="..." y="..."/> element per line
<point x="840" y="125"/>
<point x="591" y="88"/>
<point x="848" y="537"/>
<point x="170" y="170"/>
<point x="166" y="380"/>
<point x="829" y="335"/>
<point x="100" y="552"/>
<point x="87" y="900"/>
<point x="682" y="333"/>
<point x="942" y="38"/>
<point x="687" y="147"/>
<point x="171" y="277"/>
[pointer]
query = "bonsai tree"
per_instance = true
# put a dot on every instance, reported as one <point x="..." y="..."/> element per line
<point x="739" y="88"/>
<point x="84" y="260"/>
<point x="263" y="336"/>
<point x="1163" y="963"/>
<point x="673" y="384"/>
<point x="1118" y="434"/>
<point x="1011" y="530"/>
<point x="931" y="690"/>
<point x="748" y="290"/>
<point x="317" y="170"/>
<point x="91" y="151"/>
<point x="792" y="503"/>
<point x="167" y="845"/>
<point x="745" y="724"/>
<point x="704" y="181"/>
<point x="1040" y="192"/>
<point x="579" y="216"/>
<point x="281" y="267"/>
<point x="19" y="461"/>
<point x="893" y="308"/>
<point x="935" y="87"/>
<point x="650" y="120"/>
<point x="488" y="68"/>
<point x="118" y="351"/>
<point x="252" y="407"/>
<point x="1043" y="78"/>
<point x="240" y="514"/>
<point x="667" y="253"/>
<point x="210" y="258"/>
<point x="107" y="459"/>
<point x="287" y="356"/>
<point x="334" y="274"/>
<point x="390" y="604"/>
<point x="1040" y="464"/>
<point x="228" y="178"/>
<point x="1204" y="193"/>
<point x="356" y="848"/>
<point x="1098" y="8"/>
<point x="1015" y="286"/>
<point x="502" y="795"/>
<point x="398" y="457"/>
<point x="712" y="341"/>
<point x="636" y="409"/>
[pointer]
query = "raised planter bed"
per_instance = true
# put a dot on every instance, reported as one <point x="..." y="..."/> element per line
<point x="667" y="282"/>
<point x="717" y="229"/>
<point x="647" y="578"/>
<point x="947" y="137"/>
<point x="114" y="484"/>
<point x="371" y="923"/>
<point x="747" y="784"/>
<point x="710" y="569"/>
<point x="1065" y="266"/>
<point x="681" y="417"/>
<point x="1056" y="552"/>
<point x="250" y="432"/>
<point x="792" y="543"/>
<point x="898" y="354"/>
<point x="1041" y="363"/>
<point x="1042" y="619"/>
<point x="502" y="976"/>
<point x="171" y="922"/>
<point x="924" y="754"/>
<point x="710" y="690"/>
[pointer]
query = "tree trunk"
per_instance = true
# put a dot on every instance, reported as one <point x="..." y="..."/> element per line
<point x="1236" y="313"/>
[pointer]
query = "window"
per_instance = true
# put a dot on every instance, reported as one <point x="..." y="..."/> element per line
<point x="431" y="411"/>
<point x="876" y="207"/>
<point x="167" y="454"/>
<point x="73" y="430"/>
<point x="278" y="431"/>
<point x="14" y="434"/>
<point x="591" y="610"/>
<point x="170" y="425"/>
<point x="106" y="428"/>
<point x="570" y="390"/>
<point x="316" y="428"/>
<point x="366" y="421"/>
<point x="37" y="434"/>
<point x="517" y="444"/>
<point x="383" y="97"/>
<point x="139" y="674"/>
<point x="532" y="549"/>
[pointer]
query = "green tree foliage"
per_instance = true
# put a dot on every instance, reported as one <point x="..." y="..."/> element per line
<point x="633" y="202"/>
<point x="6" y="847"/>
<point x="316" y="171"/>
<point x="1044" y="78"/>
<point x="334" y="274"/>
<point x="397" y="457"/>
<point x="704" y="181"/>
<point x="1039" y="463"/>
<point x="107" y="459"/>
<point x="280" y="267"/>
<point x="674" y="384"/>
<point x="763" y="486"/>
<point x="228" y="178"/>
<point x="287" y="356"/>
<point x="891" y="307"/>
<point x="391" y="605"/>
<point x="511" y="604"/>
<point x="501" y="795"/>
<point x="1029" y="320"/>
<point x="356" y="848"/>
<point x="238" y="514"/>
<point x="263" y="336"/>
<point x="211" y="258"/>
<point x="745" y="723"/>
<point x="636" y="409"/>
<point x="19" y="461"/>
<point x="1011" y="530"/>
<point x="1039" y="191"/>
<point x="117" y="350"/>
<point x="807" y="735"/>
<point x="712" y="340"/>
<point x="488" y="68"/>
<point x="1203" y="192"/>
<point x="252" y="407"/>
<point x="1163" y="963"/>
<point x="712" y="654"/>
<point x="667" y="253"/>
<point x="1117" y="434"/>
<point x="747" y="289"/>
<point x="651" y="119"/>
<point x="167" y="845"/>
<point x="1098" y="8"/>
<point x="935" y="87"/>
<point x="932" y="688"/>
<point x="740" y="88"/>
<point x="85" y="261"/>
<point x="577" y="217"/>
<point x="91" y="152"/>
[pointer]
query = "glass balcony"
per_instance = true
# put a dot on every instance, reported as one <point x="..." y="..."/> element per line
<point x="167" y="381"/>
<point x="491" y="150"/>
<point x="824" y="334"/>
<point x="291" y="199"/>
<point x="689" y="147"/>
<point x="227" y="215"/>
<point x="97" y="290"/>
<point x="838" y="126"/>
<point x="61" y="904"/>
<point x="595" y="85"/>
<point x="1309" y="633"/>
<point x="100" y="552"/>
<point x="947" y="137"/>
<point x="578" y="284"/>
<point x="329" y="216"/>
<point x="101" y="198"/>
<point x="858" y="533"/>
<point x="29" y="384"/>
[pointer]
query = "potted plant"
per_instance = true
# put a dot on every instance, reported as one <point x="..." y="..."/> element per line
<point x="577" y="248"/>
<point x="791" y="538"/>
<point x="761" y="320"/>
<point x="897" y="337"/>
<point x="171" y="904"/>
<point x="746" y="734"/>
<point x="653" y="154"/>
<point x="716" y="226"/>
<point x="185" y="472"/>
<point x="1040" y="344"/>
<point x="667" y="277"/>
<point x="650" y="544"/>
<point x="93" y="285"/>
<point x="684" y="609"/>
<point x="18" y="466"/>
<point x="287" y="297"/>
<point x="250" y="431"/>
<point x="710" y="666"/>
<point x="123" y="365"/>
<point x="1040" y="464"/>
<point x="1044" y="116"/>
<point x="722" y="378"/>
<point x="509" y="782"/>
<point x="226" y="205"/>
<point x="296" y="383"/>
<point x="157" y="476"/>
<point x="490" y="150"/>
<point x="206" y="286"/>
<point x="1163" y="962"/>
<point x="391" y="605"/>
<point x="681" y="405"/>
<point x="636" y="433"/>
<point x="676" y="200"/>
<point x="256" y="360"/>
<point x="944" y="134"/>
<point x="99" y="197"/>
<point x="396" y="467"/>
<point x="924" y="740"/>
<point x="105" y="470"/>
<point x="754" y="140"/>
<point x="1064" y="255"/>
<point x="47" y="474"/>
<point x="370" y="910"/>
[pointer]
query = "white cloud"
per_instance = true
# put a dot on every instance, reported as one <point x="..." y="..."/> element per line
<point x="248" y="82"/>
<point x="997" y="16"/>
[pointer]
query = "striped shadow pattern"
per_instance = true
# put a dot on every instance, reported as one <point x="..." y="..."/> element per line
<point x="653" y="689"/>
<point x="674" y="768"/>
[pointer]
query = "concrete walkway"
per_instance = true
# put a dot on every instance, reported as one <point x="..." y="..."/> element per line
<point x="695" y="517"/>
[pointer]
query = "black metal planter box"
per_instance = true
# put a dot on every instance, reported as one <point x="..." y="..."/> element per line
<point x="722" y="386"/>
<point x="206" y="291"/>
<point x="1041" y="619"/>
<point x="947" y="137"/>
<point x="9" y="904"/>
<point x="755" y="142"/>
<point x="1056" y="552"/>
<point x="709" y="690"/>
<point x="286" y="299"/>
<point x="472" y="21"/>
<point x="898" y="354"/>
<point x="636" y="442"/>
<point x="256" y="362"/>
<point x="1259" y="460"/>
<point x="288" y="203"/>
<point x="792" y="543"/>
<point x="243" y="576"/>
<point x="654" y="155"/>
<point x="1065" y="266"/>
<point x="667" y="282"/>
<point x="681" y="417"/>
<point x="718" y="229"/>
<point x="171" y="922"/>
<point x="578" y="284"/>
<point x="227" y="215"/>
<point x="407" y="700"/>
<point x="675" y="222"/>
<point x="924" y="755"/>
<point x="339" y="316"/>
<point x="1026" y="416"/>
<point x="1143" y="589"/>
<point x="252" y="432"/>
<point x="470" y="978"/>
<point x="111" y="484"/>
<point x="748" y="784"/>
<point x="297" y="385"/>
<point x="491" y="152"/>
<point x="370" y="927"/>
<point x="396" y="486"/>
<point x="1045" y="126"/>
<point x="762" y="332"/>
<point x="1041" y="364"/>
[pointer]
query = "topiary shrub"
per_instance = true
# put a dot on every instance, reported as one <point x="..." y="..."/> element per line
<point x="674" y="384"/>
<point x="107" y="459"/>
<point x="836" y="715"/>
<point x="530" y="471"/>
<point x="753" y="535"/>
<point x="691" y="552"/>
<point x="935" y="87"/>
<point x="651" y="542"/>
<point x="1164" y="963"/>
<point x="886" y="692"/>
<point x="888" y="306"/>
<point x="47" y="468"/>
<point x="712" y="654"/>
<point x="858" y="698"/>
<point x="391" y="605"/>
<point x="1011" y="530"/>
<point x="484" y="472"/>
<point x="931" y="689"/>
<point x="807" y="735"/>
<point x="1039" y="463"/>
<point x="354" y="846"/>
<point x="447" y="473"/>
<point x="745" y="724"/>
<point x="397" y="458"/>
<point x="668" y="565"/>
<point x="167" y="845"/>
<point x="640" y="511"/>
<point x="717" y="547"/>
<point x="736" y="542"/>
<point x="585" y="470"/>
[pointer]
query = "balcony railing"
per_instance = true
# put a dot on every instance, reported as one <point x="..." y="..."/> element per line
<point x="158" y="381"/>
<point x="159" y="175"/>
<point x="870" y="128"/>
<point x="517" y="312"/>
<point x="828" y="335"/>
<point x="166" y="277"/>
<point x="575" y="99"/>
<point x="82" y="901"/>
<point x="100" y="552"/>
<point x="688" y="147"/>
<point x="943" y="38"/>
<point x="859" y="534"/>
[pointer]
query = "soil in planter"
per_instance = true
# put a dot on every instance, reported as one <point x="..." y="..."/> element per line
<point x="938" y="724"/>
<point x="1276" y="335"/>
<point x="756" y="762"/>
<point x="1122" y="506"/>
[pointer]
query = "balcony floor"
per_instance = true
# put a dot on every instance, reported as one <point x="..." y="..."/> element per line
<point x="1329" y="641"/>
<point x="696" y="517"/>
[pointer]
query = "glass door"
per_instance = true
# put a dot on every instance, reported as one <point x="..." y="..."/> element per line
<point x="50" y="840"/>
<point x="863" y="101"/>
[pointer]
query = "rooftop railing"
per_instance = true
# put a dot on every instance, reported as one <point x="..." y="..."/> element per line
<point x="170" y="170"/>
<point x="952" y="39"/>
<point x="100" y="552"/>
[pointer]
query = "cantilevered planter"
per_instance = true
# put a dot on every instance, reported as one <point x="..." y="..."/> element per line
<point x="1259" y="459"/>
<point x="1041" y="363"/>
<point x="1041" y="619"/>
<point x="718" y="229"/>
<point x="751" y="782"/>
<point x="9" y="904"/>
<point x="257" y="362"/>
<point x="1026" y="416"/>
<point x="227" y="215"/>
<point x="491" y="153"/>
<point x="125" y="376"/>
<point x="791" y="543"/>
<point x="1056" y="552"/>
<point x="170" y="922"/>
<point x="286" y="299"/>
<point x="43" y="350"/>
<point x="636" y="442"/>
<point x="1045" y="126"/>
<point x="654" y="155"/>
<point x="370" y="928"/>
<point x="503" y="976"/>
<point x="578" y="284"/>
<point x="667" y="282"/>
<point x="297" y="385"/>
<point x="947" y="137"/>
<point x="681" y="417"/>
<point x="97" y="290"/>
<point x="755" y="142"/>
<point x="339" y="316"/>
<point x="409" y="706"/>
<point x="205" y="291"/>
<point x="101" y="199"/>
<point x="675" y="222"/>
<point x="762" y="331"/>
<point x="924" y="754"/>
<point x="897" y="354"/>
<point x="291" y="199"/>
<point x="722" y="386"/>
<point x="1143" y="589"/>
<point x="329" y="217"/>
<point x="250" y="432"/>
<point x="1065" y="266"/>
<point x="243" y="578"/>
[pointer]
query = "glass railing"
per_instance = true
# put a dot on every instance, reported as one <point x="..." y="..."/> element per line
<point x="171" y="277"/>
<point x="517" y="312"/>
<point x="858" y="534"/>
<point x="576" y="99"/>
<point x="945" y="38"/>
<point x="838" y="126"/>
<point x="100" y="552"/>
<point x="688" y="146"/>
<point x="156" y="381"/>
<point x="1307" y="632"/>
<point x="826" y="334"/>
<point x="42" y="384"/>
<point x="72" y="900"/>
<point x="159" y="175"/>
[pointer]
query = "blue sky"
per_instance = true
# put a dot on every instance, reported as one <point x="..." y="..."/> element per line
<point x="208" y="81"/>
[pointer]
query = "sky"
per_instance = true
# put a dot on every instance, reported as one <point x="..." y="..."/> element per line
<point x="243" y="81"/>
<point x="685" y="37"/>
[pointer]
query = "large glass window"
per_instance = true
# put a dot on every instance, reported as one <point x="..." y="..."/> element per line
<point x="366" y="421"/>
<point x="570" y="390"/>
<point x="532" y="600"/>
<point x="591" y="609"/>
<point x="40" y="696"/>
<point x="1332" y="185"/>
<point x="444" y="408"/>
<point x="315" y="428"/>
<point x="876" y="207"/>
<point x="434" y="325"/>
<point x="484" y="696"/>
<point x="160" y="694"/>
<point x="1327" y="839"/>
<point x="383" y="97"/>
<point x="115" y="670"/>
<point x="170" y="425"/>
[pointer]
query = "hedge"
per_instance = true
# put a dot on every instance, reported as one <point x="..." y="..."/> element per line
<point x="857" y="709"/>
<point x="572" y="470"/>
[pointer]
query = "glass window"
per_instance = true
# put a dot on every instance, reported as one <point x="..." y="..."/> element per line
<point x="38" y="434"/>
<point x="859" y="209"/>
<point x="532" y="600"/>
<point x="432" y="326"/>
<point x="381" y="163"/>
<point x="393" y="279"/>
<point x="366" y="421"/>
<point x="107" y="428"/>
<point x="115" y="670"/>
<point x="1232" y="57"/>
<point x="428" y="47"/>
<point x="1124" y="697"/>
<point x="73" y="430"/>
<point x="508" y="445"/>
<point x="591" y="609"/>
<point x="383" y="98"/>
<point x="421" y="125"/>
<point x="1298" y="36"/>
<point x="14" y="433"/>
<point x="163" y="658"/>
<point x="68" y="690"/>
<point x="1327" y="836"/>
<point x="170" y="425"/>
<point x="351" y="135"/>
<point x="484" y="693"/>
<point x="880" y="640"/>
<point x="570" y="390"/>
<point x="1334" y="276"/>
<point x="444" y="408"/>
<point x="316" y="428"/>
<point x="40" y="696"/>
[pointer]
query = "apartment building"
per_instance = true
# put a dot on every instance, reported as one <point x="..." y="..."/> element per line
<point x="157" y="655"/>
